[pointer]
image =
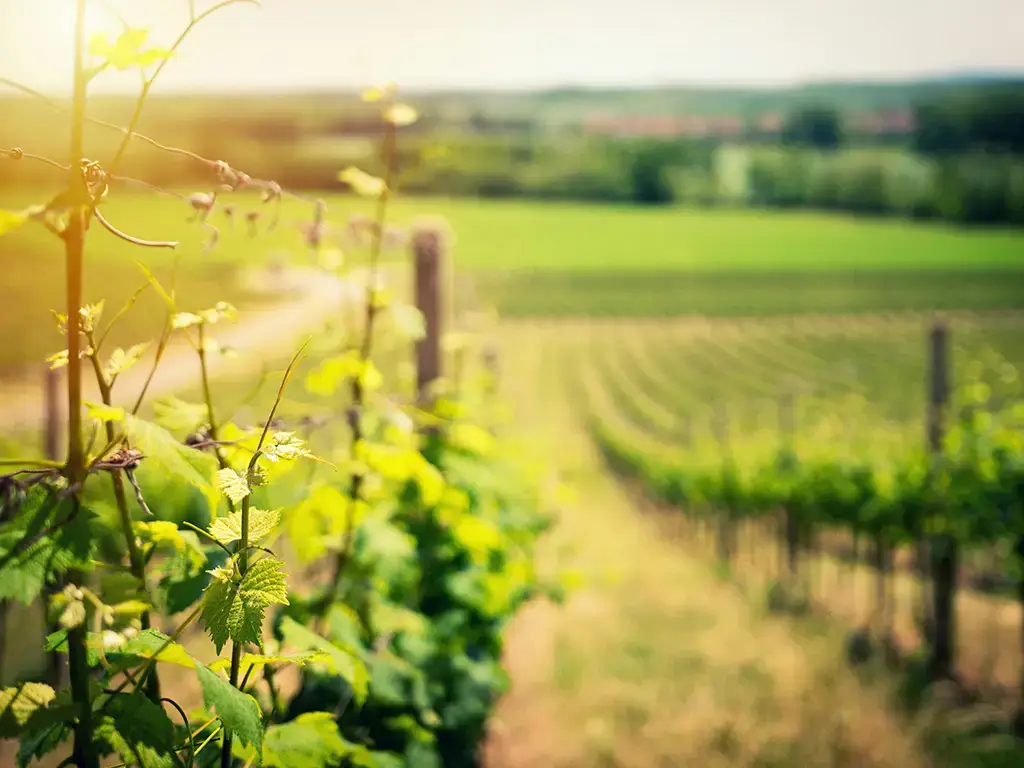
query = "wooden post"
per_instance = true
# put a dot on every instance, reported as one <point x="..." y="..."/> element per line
<point x="56" y="665"/>
<point x="687" y="431"/>
<point x="492" y="366"/>
<point x="428" y="257"/>
<point x="944" y="550"/>
<point x="726" y="530"/>
<point x="787" y="430"/>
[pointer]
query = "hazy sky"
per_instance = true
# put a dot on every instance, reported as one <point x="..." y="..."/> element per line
<point x="516" y="43"/>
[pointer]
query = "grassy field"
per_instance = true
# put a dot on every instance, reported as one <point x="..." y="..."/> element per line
<point x="539" y="259"/>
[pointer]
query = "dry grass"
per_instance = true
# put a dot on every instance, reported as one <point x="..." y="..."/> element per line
<point x="988" y="627"/>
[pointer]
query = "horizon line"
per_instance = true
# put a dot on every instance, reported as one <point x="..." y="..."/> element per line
<point x="988" y="75"/>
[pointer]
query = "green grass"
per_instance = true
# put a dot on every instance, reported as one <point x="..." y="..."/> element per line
<point x="537" y="259"/>
<point x="34" y="283"/>
<point x="547" y="259"/>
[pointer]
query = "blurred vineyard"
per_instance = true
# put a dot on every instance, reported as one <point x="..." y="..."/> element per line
<point x="797" y="449"/>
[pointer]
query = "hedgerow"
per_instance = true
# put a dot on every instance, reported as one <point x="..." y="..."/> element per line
<point x="425" y="521"/>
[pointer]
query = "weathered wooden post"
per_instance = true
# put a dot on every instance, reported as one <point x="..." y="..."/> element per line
<point x="943" y="548"/>
<point x="492" y="365"/>
<point x="787" y="431"/>
<point x="726" y="530"/>
<point x="428" y="244"/>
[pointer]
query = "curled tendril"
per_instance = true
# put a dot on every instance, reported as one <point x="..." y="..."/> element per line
<point x="129" y="238"/>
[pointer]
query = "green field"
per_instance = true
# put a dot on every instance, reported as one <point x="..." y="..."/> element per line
<point x="537" y="259"/>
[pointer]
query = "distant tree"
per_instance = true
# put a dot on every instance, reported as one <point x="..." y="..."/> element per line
<point x="816" y="126"/>
<point x="990" y="120"/>
<point x="649" y="175"/>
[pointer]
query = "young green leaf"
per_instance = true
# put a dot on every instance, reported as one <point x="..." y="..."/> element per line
<point x="73" y="614"/>
<point x="138" y="730"/>
<point x="259" y="661"/>
<point x="319" y="517"/>
<point x="104" y="413"/>
<point x="261" y="524"/>
<point x="232" y="484"/>
<point x="10" y="220"/>
<point x="400" y="115"/>
<point x="185" y="320"/>
<point x="159" y="532"/>
<point x="148" y="644"/>
<point x="309" y="741"/>
<point x="234" y="610"/>
<point x="362" y="182"/>
<point x="24" y="570"/>
<point x="178" y="415"/>
<point x="343" y="662"/>
<point x="19" y="704"/>
<point x="379" y="93"/>
<point x="121" y="360"/>
<point x="126" y="51"/>
<point x="409" y="321"/>
<point x="332" y="372"/>
<point x="285" y="445"/>
<point x="238" y="711"/>
<point x="175" y="459"/>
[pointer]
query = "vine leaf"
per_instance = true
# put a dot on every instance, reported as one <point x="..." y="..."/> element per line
<point x="316" y="520"/>
<point x="10" y="220"/>
<point x="121" y="360"/>
<point x="139" y="731"/>
<point x="179" y="415"/>
<point x="232" y="484"/>
<point x="18" y="705"/>
<point x="400" y="115"/>
<point x="409" y="321"/>
<point x="362" y="182"/>
<point x="261" y="524"/>
<point x="238" y="711"/>
<point x="104" y="413"/>
<point x="126" y="51"/>
<point x="343" y="662"/>
<point x="259" y="661"/>
<point x="379" y="93"/>
<point x="234" y="610"/>
<point x="221" y="311"/>
<point x="309" y="741"/>
<point x="33" y="714"/>
<point x="24" y="572"/>
<point x="162" y="450"/>
<point x="285" y="445"/>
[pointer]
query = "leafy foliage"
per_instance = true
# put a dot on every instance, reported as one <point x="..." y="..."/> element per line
<point x="428" y="533"/>
<point x="238" y="711"/>
<point x="233" y="608"/>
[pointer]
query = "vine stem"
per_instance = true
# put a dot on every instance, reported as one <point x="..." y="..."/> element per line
<point x="135" y="561"/>
<point x="83" y="751"/>
<point x="148" y="83"/>
<point x="356" y="480"/>
<point x="236" y="647"/>
<point x="243" y="544"/>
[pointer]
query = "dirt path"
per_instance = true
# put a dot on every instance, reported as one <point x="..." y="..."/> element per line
<point x="264" y="333"/>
